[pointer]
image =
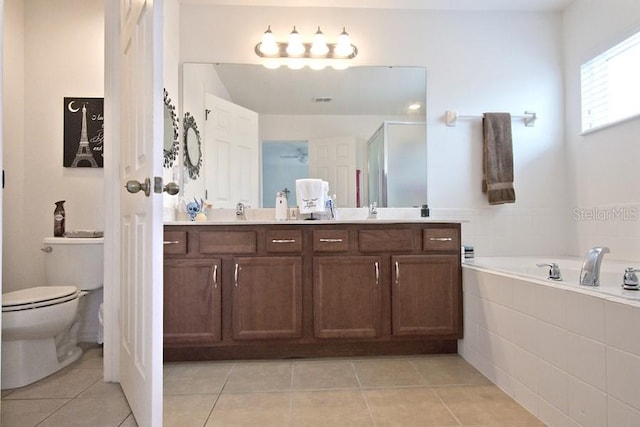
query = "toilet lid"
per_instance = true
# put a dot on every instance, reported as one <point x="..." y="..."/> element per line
<point x="40" y="296"/>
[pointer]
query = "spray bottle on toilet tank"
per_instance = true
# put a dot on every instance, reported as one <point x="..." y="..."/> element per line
<point x="58" y="219"/>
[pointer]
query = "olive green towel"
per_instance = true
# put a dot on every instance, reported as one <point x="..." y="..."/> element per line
<point x="497" y="162"/>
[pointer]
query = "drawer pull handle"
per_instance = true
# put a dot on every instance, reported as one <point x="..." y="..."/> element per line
<point x="283" y="240"/>
<point x="397" y="273"/>
<point x="331" y="240"/>
<point x="377" y="267"/>
<point x="235" y="275"/>
<point x="215" y="276"/>
<point x="441" y="239"/>
<point x="171" y="242"/>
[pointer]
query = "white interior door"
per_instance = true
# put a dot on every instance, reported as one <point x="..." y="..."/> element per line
<point x="141" y="215"/>
<point x="231" y="148"/>
<point x="1" y="158"/>
<point x="334" y="160"/>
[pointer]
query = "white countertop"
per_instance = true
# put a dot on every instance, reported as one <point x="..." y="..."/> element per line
<point x="343" y="216"/>
<point x="314" y="222"/>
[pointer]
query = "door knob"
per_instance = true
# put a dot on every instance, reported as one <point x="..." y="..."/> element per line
<point x="172" y="188"/>
<point x="135" y="186"/>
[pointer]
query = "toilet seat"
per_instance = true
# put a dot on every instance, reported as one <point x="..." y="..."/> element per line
<point x="39" y="296"/>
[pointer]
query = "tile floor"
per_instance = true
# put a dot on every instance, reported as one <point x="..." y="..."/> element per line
<point x="403" y="391"/>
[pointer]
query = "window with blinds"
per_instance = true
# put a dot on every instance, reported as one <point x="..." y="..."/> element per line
<point x="610" y="85"/>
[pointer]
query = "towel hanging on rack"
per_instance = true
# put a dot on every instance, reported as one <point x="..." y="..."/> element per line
<point x="497" y="161"/>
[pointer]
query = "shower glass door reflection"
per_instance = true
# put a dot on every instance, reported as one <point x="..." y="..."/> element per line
<point x="282" y="163"/>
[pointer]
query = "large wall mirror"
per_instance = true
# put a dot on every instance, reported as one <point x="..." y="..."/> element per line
<point x="331" y="118"/>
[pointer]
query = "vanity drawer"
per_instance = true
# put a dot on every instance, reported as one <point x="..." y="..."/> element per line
<point x="440" y="239"/>
<point x="278" y="241"/>
<point x="387" y="240"/>
<point x="330" y="240"/>
<point x="175" y="242"/>
<point x="228" y="242"/>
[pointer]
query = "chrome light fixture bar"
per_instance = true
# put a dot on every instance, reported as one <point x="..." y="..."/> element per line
<point x="296" y="54"/>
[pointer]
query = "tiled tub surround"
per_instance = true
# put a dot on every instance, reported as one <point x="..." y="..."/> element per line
<point x="569" y="354"/>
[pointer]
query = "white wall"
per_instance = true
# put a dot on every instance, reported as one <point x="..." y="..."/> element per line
<point x="604" y="164"/>
<point x="476" y="62"/>
<point x="56" y="49"/>
<point x="13" y="137"/>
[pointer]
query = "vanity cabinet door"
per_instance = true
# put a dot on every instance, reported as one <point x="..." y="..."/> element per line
<point x="267" y="298"/>
<point x="425" y="293"/>
<point x="192" y="310"/>
<point x="347" y="295"/>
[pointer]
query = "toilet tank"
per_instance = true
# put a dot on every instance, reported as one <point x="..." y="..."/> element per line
<point x="74" y="262"/>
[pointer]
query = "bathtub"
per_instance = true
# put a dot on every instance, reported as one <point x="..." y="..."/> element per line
<point x="611" y="273"/>
<point x="569" y="354"/>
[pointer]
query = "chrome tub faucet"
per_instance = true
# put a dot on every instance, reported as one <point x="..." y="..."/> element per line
<point x="590" y="272"/>
<point x="630" y="280"/>
<point x="554" y="271"/>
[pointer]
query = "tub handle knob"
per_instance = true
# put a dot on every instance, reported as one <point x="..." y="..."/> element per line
<point x="554" y="270"/>
<point x="630" y="280"/>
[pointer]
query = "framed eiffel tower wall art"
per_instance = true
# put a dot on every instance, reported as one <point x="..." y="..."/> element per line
<point x="83" y="132"/>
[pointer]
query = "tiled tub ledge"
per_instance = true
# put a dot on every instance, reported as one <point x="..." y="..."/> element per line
<point x="570" y="355"/>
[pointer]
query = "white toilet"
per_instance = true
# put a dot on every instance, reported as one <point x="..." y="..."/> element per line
<point x="40" y="324"/>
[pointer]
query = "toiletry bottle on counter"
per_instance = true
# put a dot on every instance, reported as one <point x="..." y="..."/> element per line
<point x="282" y="208"/>
<point x="58" y="219"/>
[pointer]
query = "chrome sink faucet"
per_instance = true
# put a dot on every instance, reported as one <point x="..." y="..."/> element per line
<point x="373" y="210"/>
<point x="590" y="272"/>
<point x="241" y="210"/>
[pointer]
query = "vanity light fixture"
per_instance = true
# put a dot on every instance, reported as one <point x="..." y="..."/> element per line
<point x="296" y="54"/>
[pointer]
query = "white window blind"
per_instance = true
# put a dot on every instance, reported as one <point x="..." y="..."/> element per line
<point x="610" y="85"/>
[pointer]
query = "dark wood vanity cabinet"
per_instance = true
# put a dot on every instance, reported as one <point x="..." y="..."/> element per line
<point x="347" y="297"/>
<point x="192" y="301"/>
<point x="301" y="289"/>
<point x="267" y="298"/>
<point x="423" y="300"/>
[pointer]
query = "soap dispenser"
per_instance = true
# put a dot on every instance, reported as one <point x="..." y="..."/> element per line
<point x="282" y="208"/>
<point x="58" y="219"/>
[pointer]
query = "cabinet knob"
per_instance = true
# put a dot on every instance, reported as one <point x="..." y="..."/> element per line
<point x="441" y="239"/>
<point x="235" y="275"/>
<point x="215" y="276"/>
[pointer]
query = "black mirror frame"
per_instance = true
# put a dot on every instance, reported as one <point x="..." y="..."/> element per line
<point x="171" y="155"/>
<point x="192" y="169"/>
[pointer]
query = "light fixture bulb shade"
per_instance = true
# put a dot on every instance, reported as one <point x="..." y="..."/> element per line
<point x="343" y="46"/>
<point x="317" y="64"/>
<point x="295" y="46"/>
<point x="295" y="63"/>
<point x="339" y="65"/>
<point x="271" y="64"/>
<point x="268" y="46"/>
<point x="319" y="46"/>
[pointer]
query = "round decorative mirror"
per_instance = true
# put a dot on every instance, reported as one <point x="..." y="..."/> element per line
<point x="171" y="140"/>
<point x="192" y="147"/>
